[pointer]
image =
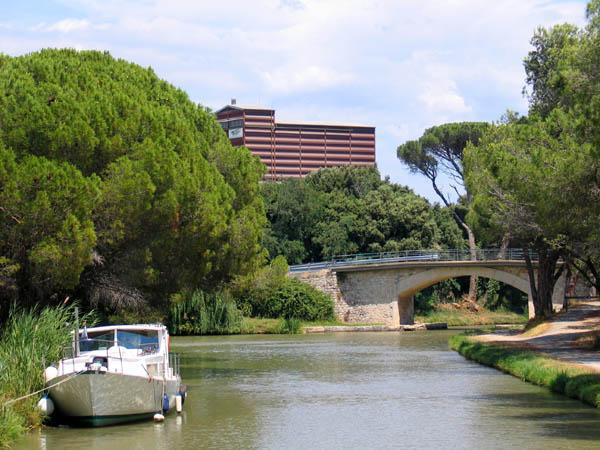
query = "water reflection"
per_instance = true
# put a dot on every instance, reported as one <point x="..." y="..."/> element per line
<point x="361" y="390"/>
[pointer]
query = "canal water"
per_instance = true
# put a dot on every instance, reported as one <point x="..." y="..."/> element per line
<point x="345" y="390"/>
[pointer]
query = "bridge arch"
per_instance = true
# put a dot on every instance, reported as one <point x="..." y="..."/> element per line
<point x="407" y="287"/>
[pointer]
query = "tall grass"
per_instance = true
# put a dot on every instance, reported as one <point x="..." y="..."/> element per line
<point x="558" y="376"/>
<point x="30" y="340"/>
<point x="204" y="313"/>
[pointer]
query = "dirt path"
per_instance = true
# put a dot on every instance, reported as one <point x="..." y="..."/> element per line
<point x="558" y="337"/>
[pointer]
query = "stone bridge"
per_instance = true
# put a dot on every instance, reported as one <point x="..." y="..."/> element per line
<point x="382" y="291"/>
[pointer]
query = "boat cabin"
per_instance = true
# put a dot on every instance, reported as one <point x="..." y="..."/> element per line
<point x="141" y="350"/>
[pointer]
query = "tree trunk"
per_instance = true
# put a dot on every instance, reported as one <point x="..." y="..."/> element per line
<point x="472" y="297"/>
<point x="504" y="246"/>
<point x="471" y="237"/>
<point x="542" y="286"/>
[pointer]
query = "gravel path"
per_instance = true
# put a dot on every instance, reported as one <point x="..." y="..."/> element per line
<point x="557" y="337"/>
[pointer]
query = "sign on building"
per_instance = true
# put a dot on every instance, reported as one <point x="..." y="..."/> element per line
<point x="235" y="133"/>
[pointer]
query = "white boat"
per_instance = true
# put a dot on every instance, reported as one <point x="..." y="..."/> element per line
<point x="116" y="374"/>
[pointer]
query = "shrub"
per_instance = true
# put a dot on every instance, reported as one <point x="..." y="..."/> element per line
<point x="203" y="313"/>
<point x="293" y="299"/>
<point x="271" y="293"/>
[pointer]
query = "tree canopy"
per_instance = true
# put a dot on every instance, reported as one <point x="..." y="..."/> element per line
<point x="440" y="150"/>
<point x="537" y="176"/>
<point x="115" y="186"/>
<point x="350" y="210"/>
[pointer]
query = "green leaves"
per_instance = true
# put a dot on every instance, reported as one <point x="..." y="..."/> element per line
<point x="46" y="220"/>
<point x="107" y="159"/>
<point x="349" y="210"/>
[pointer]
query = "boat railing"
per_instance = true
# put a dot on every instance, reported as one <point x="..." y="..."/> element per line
<point x="112" y="353"/>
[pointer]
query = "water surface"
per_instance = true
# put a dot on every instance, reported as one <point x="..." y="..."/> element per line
<point x="344" y="390"/>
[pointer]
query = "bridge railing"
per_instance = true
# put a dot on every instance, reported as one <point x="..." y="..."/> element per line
<point x="487" y="254"/>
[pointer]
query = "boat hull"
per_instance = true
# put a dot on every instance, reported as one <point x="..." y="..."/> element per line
<point x="98" y="399"/>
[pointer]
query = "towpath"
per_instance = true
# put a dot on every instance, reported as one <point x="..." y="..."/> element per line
<point x="563" y="337"/>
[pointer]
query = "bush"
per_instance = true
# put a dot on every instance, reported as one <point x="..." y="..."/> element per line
<point x="293" y="299"/>
<point x="271" y="293"/>
<point x="203" y="313"/>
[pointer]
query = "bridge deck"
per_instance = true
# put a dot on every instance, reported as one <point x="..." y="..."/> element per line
<point x="420" y="258"/>
<point x="427" y="264"/>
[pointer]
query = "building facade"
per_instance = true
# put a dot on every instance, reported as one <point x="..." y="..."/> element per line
<point x="294" y="149"/>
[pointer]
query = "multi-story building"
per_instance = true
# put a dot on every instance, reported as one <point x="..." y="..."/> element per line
<point x="294" y="149"/>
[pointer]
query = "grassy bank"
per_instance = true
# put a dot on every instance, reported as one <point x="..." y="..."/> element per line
<point x="460" y="317"/>
<point x="569" y="379"/>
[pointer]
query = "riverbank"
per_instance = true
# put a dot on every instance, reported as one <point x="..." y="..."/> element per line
<point x="255" y="325"/>
<point x="559" y="354"/>
<point x="466" y="318"/>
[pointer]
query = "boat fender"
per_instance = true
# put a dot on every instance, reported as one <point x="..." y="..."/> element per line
<point x="158" y="417"/>
<point x="178" y="403"/>
<point x="50" y="373"/>
<point x="46" y="405"/>
<point x="165" y="404"/>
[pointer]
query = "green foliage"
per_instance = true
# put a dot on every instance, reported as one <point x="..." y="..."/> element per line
<point x="46" y="229"/>
<point x="289" y="298"/>
<point x="440" y="149"/>
<point x="200" y="313"/>
<point x="291" y="325"/>
<point x="547" y="66"/>
<point x="30" y="340"/>
<point x="349" y="210"/>
<point x="12" y="426"/>
<point x="297" y="300"/>
<point x="102" y="161"/>
<point x="560" y="377"/>
<point x="427" y="300"/>
<point x="271" y="293"/>
<point x="521" y="174"/>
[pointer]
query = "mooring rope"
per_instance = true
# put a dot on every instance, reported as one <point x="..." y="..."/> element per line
<point x="10" y="402"/>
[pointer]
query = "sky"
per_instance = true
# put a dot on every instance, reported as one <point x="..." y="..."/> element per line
<point x="401" y="66"/>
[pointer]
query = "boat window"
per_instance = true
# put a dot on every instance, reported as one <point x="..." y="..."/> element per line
<point x="97" y="341"/>
<point x="145" y="340"/>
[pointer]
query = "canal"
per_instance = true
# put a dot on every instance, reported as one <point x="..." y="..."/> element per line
<point x="346" y="390"/>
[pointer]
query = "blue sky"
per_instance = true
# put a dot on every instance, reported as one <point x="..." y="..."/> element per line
<point x="401" y="66"/>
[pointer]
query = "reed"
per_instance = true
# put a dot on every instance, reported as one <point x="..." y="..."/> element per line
<point x="30" y="340"/>
<point x="290" y="326"/>
<point x="201" y="313"/>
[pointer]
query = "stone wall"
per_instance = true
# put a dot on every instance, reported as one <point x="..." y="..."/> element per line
<point x="326" y="281"/>
<point x="357" y="299"/>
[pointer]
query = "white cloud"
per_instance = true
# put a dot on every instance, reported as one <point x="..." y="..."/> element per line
<point x="442" y="96"/>
<point x="301" y="79"/>
<point x="68" y="25"/>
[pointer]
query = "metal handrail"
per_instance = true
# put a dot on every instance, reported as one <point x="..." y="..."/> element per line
<point x="488" y="254"/>
<point x="69" y="353"/>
